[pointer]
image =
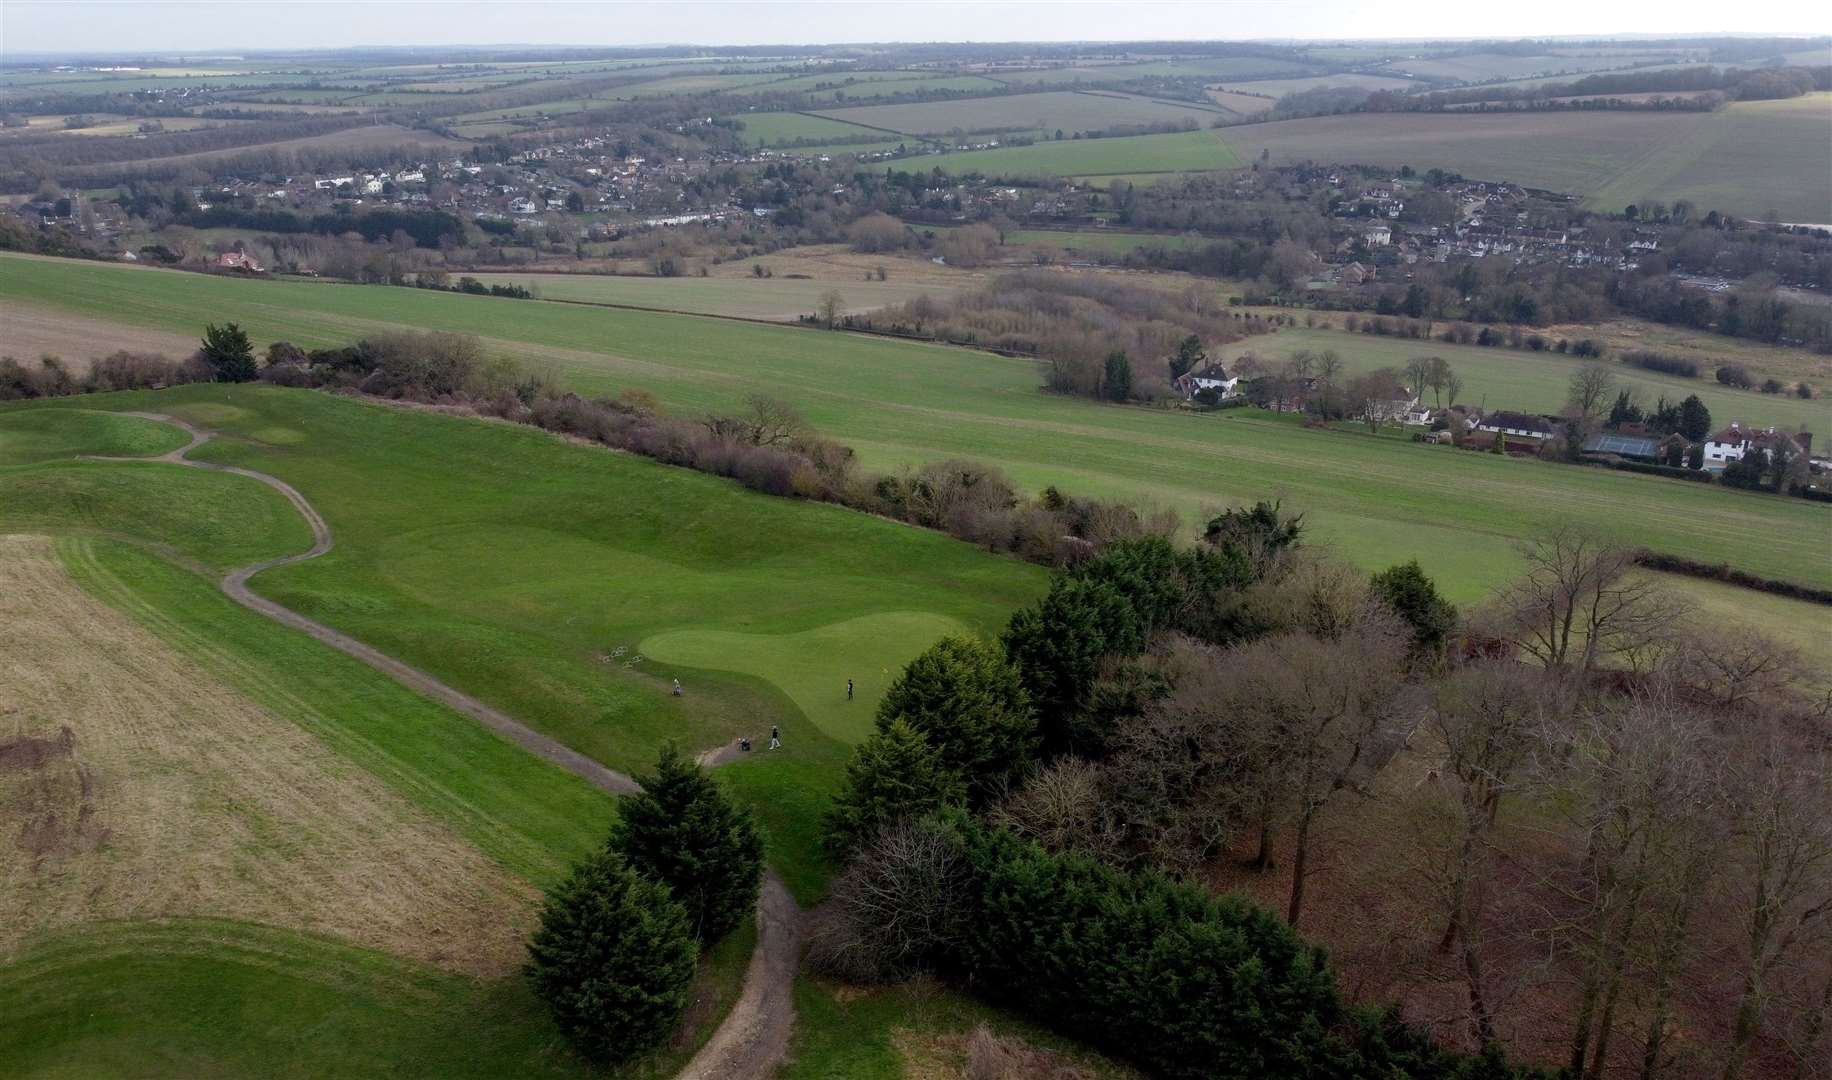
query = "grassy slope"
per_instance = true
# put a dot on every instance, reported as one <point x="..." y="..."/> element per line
<point x="210" y="997"/>
<point x="531" y="572"/>
<point x="39" y="436"/>
<point x="1381" y="501"/>
<point x="1132" y="154"/>
<point x="778" y="298"/>
<point x="1536" y="382"/>
<point x="1613" y="158"/>
<point x="1067" y="111"/>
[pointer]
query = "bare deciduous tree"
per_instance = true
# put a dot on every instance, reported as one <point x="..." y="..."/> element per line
<point x="902" y="900"/>
<point x="1591" y="386"/>
<point x="1581" y="601"/>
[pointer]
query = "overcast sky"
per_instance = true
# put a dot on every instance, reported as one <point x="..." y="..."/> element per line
<point x="111" y="26"/>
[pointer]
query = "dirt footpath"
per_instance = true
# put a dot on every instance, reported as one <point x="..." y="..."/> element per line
<point x="753" y="1039"/>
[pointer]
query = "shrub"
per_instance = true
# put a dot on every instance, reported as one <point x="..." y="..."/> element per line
<point x="1666" y="365"/>
<point x="1735" y="375"/>
<point x="685" y="832"/>
<point x="123" y="370"/>
<point x="612" y="959"/>
<point x="899" y="908"/>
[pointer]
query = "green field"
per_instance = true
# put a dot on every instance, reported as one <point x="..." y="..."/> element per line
<point x="783" y="128"/>
<point x="1536" y="382"/>
<point x="1611" y="158"/>
<point x="1278" y="88"/>
<point x="1380" y="501"/>
<point x="1188" y="151"/>
<point x="1066" y="111"/>
<point x="1488" y="67"/>
<point x="890" y="88"/>
<point x="779" y="298"/>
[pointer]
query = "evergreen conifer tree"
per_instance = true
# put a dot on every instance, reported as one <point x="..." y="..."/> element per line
<point x="685" y="832"/>
<point x="612" y="959"/>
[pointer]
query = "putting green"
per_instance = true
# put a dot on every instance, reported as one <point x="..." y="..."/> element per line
<point x="812" y="667"/>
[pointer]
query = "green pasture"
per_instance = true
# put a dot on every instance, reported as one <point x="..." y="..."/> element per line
<point x="885" y="88"/>
<point x="1526" y="381"/>
<point x="909" y="403"/>
<point x="1184" y="151"/>
<point x="781" y="298"/>
<point x="1065" y="111"/>
<point x="1610" y="158"/>
<point x="782" y="128"/>
<point x="1379" y="501"/>
<point x="534" y="574"/>
<point x="43" y="436"/>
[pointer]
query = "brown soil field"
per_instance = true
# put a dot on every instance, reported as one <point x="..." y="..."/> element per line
<point x="136" y="785"/>
<point x="26" y="333"/>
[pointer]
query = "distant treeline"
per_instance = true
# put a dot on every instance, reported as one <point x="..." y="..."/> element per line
<point x="425" y="227"/>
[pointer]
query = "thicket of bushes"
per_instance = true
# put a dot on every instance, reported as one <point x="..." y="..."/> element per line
<point x="1666" y="365"/>
<point x="119" y="370"/>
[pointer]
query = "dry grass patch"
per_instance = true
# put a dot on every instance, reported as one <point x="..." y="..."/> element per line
<point x="28" y="332"/>
<point x="979" y="1055"/>
<point x="135" y="785"/>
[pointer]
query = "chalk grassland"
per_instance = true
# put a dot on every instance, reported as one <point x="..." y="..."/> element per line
<point x="609" y="552"/>
<point x="1379" y="500"/>
<point x="377" y="136"/>
<point x="28" y="438"/>
<point x="1612" y="158"/>
<point x="1536" y="382"/>
<point x="1487" y="67"/>
<point x="271" y="779"/>
<point x="782" y="128"/>
<point x="890" y="88"/>
<point x="1238" y="103"/>
<point x="143" y="788"/>
<point x="1707" y="350"/>
<point x="30" y="334"/>
<point x="778" y="298"/>
<point x="1185" y="151"/>
<point x="1068" y="112"/>
<point x="1715" y="163"/>
<point x="1278" y="88"/>
<point x="108" y="124"/>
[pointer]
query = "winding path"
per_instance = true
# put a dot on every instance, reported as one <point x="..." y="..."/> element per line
<point x="755" y="1035"/>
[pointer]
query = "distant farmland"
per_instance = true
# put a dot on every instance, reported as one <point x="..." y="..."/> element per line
<point x="1066" y="111"/>
<point x="1189" y="151"/>
<point x="785" y="128"/>
<point x="1610" y="158"/>
<point x="1280" y="87"/>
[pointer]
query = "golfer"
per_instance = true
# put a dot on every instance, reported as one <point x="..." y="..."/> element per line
<point x="775" y="738"/>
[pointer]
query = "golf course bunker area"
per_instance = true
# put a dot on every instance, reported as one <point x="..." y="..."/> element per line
<point x="134" y="785"/>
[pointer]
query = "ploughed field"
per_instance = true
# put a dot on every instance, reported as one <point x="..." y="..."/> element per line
<point x="1379" y="500"/>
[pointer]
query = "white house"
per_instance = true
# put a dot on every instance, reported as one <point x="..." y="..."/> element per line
<point x="523" y="206"/>
<point x="1731" y="443"/>
<point x="1378" y="236"/>
<point x="1210" y="377"/>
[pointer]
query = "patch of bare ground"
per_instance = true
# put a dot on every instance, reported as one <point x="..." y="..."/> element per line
<point x="135" y="785"/>
<point x="979" y="1055"/>
<point x="27" y="332"/>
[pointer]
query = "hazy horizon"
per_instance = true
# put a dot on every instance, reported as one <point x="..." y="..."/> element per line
<point x="110" y="27"/>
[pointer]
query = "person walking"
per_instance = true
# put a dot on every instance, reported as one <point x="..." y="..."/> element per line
<point x="775" y="737"/>
<point x="848" y="689"/>
<point x="677" y="688"/>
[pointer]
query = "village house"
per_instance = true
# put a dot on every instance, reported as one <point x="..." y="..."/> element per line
<point x="1211" y="377"/>
<point x="236" y="260"/>
<point x="1731" y="443"/>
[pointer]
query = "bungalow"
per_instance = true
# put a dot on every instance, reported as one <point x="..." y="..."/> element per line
<point x="1516" y="425"/>
<point x="1211" y="377"/>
